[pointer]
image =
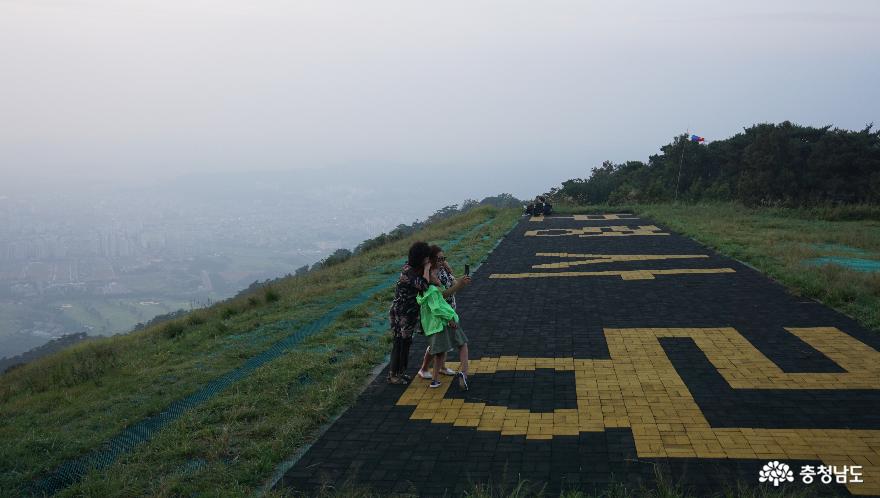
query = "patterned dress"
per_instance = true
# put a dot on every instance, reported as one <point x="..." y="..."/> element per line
<point x="404" y="309"/>
<point x="448" y="280"/>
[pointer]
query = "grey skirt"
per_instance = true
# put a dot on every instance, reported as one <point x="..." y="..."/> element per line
<point x="446" y="340"/>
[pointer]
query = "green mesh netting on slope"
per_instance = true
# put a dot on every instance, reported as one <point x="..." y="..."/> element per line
<point x="857" y="264"/>
<point x="73" y="470"/>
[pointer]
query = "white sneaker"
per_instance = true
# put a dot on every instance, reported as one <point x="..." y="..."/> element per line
<point x="425" y="374"/>
<point x="448" y="371"/>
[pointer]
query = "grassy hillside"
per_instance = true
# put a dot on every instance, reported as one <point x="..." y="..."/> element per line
<point x="784" y="243"/>
<point x="68" y="404"/>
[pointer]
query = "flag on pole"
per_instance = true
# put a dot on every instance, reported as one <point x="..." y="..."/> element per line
<point x="697" y="139"/>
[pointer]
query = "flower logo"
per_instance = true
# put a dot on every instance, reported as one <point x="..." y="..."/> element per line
<point x="776" y="472"/>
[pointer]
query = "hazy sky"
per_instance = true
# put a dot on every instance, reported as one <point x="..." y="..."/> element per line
<point x="498" y="95"/>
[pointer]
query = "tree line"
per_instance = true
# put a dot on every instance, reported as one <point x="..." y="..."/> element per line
<point x="767" y="164"/>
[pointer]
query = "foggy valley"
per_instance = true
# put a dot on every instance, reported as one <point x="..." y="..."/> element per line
<point x="102" y="261"/>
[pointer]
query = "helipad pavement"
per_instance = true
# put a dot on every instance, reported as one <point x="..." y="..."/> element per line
<point x="604" y="347"/>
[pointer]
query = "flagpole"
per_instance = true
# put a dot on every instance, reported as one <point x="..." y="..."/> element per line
<point x="680" y="162"/>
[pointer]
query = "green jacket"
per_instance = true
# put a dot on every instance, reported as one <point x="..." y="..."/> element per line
<point x="434" y="311"/>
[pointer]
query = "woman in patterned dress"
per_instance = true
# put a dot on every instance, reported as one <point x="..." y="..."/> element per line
<point x="404" y="312"/>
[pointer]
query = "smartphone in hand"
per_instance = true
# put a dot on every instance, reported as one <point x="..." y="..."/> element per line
<point x="467" y="269"/>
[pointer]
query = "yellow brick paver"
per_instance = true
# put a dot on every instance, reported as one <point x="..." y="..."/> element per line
<point x="639" y="388"/>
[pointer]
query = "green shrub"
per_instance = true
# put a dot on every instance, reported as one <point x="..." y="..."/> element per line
<point x="272" y="295"/>
<point x="196" y="319"/>
<point x="172" y="329"/>
<point x="338" y="256"/>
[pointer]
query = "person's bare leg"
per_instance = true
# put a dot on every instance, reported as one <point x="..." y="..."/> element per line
<point x="463" y="370"/>
<point x="438" y="360"/>
<point x="426" y="361"/>
<point x="463" y="357"/>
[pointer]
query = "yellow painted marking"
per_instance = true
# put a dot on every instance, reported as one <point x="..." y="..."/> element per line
<point x="605" y="231"/>
<point x="588" y="217"/>
<point x="607" y="258"/>
<point x="623" y="274"/>
<point x="611" y="216"/>
<point x="639" y="388"/>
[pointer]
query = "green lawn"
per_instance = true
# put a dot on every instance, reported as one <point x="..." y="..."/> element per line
<point x="781" y="242"/>
<point x="66" y="404"/>
<point x="114" y="315"/>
